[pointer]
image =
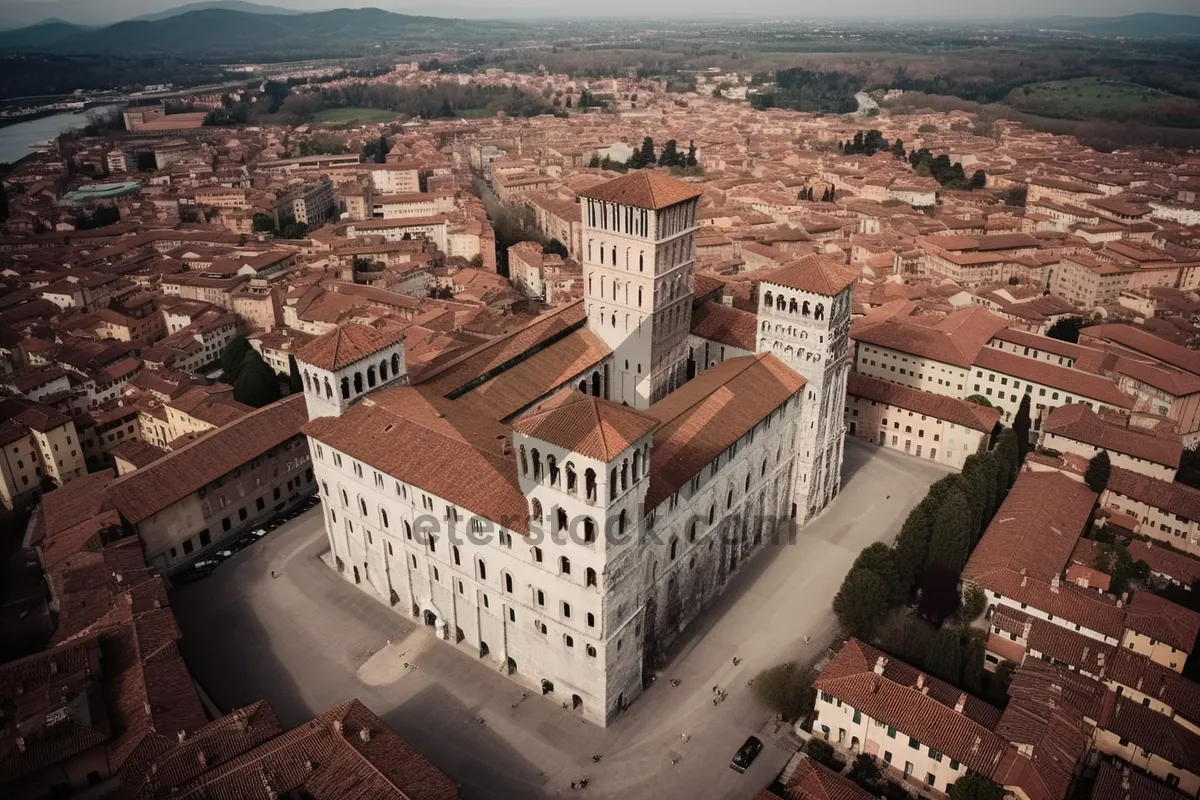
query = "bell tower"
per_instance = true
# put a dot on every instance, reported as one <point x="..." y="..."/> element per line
<point x="639" y="253"/>
<point x="804" y="319"/>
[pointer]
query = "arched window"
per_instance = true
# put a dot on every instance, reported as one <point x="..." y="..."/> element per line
<point x="454" y="553"/>
<point x="589" y="530"/>
<point x="614" y="254"/>
<point x="307" y="381"/>
<point x="591" y="577"/>
<point x="537" y="465"/>
<point x="383" y="517"/>
<point x="621" y="522"/>
<point x="712" y="514"/>
<point x="639" y="297"/>
<point x="804" y="309"/>
<point x="764" y="467"/>
<point x="383" y="370"/>
<point x="589" y="484"/>
<point x="564" y="565"/>
<point x="524" y="462"/>
<point x="552" y="468"/>
<point x="508" y="583"/>
<point x="358" y="383"/>
<point x="482" y="570"/>
<point x="820" y="312"/>
<point x="793" y="307"/>
<point x="780" y="302"/>
<point x="395" y="364"/>
<point x="407" y="530"/>
<point x="768" y="299"/>
<point x="692" y="531"/>
<point x="571" y="482"/>
<point x="641" y="262"/>
<point x="371" y="377"/>
<point x="536" y="510"/>
<point x="637" y="465"/>
<point x="345" y="499"/>
<point x="747" y="481"/>
<point x="624" y="474"/>
<point x="729" y="499"/>
<point x="612" y="485"/>
<point x="362" y="505"/>
<point x="345" y="388"/>
<point x="601" y="261"/>
<point x="328" y="390"/>
<point x="674" y="547"/>
<point x="561" y="518"/>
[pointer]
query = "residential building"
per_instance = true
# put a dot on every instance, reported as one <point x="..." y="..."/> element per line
<point x="39" y="450"/>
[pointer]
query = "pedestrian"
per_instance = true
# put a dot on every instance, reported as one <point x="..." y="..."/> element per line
<point x="684" y="737"/>
<point x="572" y="784"/>
<point x="807" y="639"/>
<point x="272" y="573"/>
<point x="714" y="689"/>
<point x="596" y="759"/>
<point x="583" y="782"/>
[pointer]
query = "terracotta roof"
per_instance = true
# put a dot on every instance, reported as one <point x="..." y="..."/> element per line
<point x="1081" y="424"/>
<point x="1165" y="561"/>
<point x="1172" y="496"/>
<point x="960" y="412"/>
<point x="586" y="425"/>
<point x="894" y="699"/>
<point x="441" y="446"/>
<point x="1035" y="529"/>
<point x="644" y="188"/>
<point x="146" y="491"/>
<point x="1159" y="618"/>
<point x="956" y="339"/>
<point x="709" y="413"/>
<point x="814" y="781"/>
<point x="1142" y="341"/>
<point x="1042" y="343"/>
<point x="1153" y="679"/>
<point x="1071" y="381"/>
<point x="346" y="345"/>
<point x="815" y="274"/>
<point x="724" y="324"/>
<point x="1122" y="783"/>
<point x="1155" y="733"/>
<point x="1174" y="382"/>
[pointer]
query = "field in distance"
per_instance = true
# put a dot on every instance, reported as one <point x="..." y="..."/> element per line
<point x="1087" y="98"/>
<point x="362" y="116"/>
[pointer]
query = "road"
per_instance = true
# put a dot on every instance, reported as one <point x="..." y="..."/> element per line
<point x="307" y="640"/>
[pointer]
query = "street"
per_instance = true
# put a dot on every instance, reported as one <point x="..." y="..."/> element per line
<point x="307" y="640"/>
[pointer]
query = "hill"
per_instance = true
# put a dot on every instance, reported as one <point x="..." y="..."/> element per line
<point x="1137" y="26"/>
<point x="226" y="5"/>
<point x="43" y="36"/>
<point x="225" y="32"/>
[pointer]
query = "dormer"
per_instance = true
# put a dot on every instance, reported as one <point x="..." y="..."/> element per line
<point x="346" y="364"/>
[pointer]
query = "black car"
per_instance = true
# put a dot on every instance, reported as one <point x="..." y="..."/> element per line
<point x="746" y="754"/>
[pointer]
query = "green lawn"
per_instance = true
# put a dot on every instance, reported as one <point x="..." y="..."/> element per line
<point x="1086" y="98"/>
<point x="474" y="113"/>
<point x="342" y="116"/>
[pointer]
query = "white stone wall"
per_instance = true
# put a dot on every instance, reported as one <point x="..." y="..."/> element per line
<point x="325" y="394"/>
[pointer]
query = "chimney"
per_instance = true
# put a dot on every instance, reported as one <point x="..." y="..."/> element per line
<point x="53" y="667"/>
<point x="921" y="680"/>
<point x="1125" y="779"/>
<point x="1025" y="629"/>
<point x="975" y="746"/>
<point x="337" y="727"/>
<point x="365" y="734"/>
<point x="21" y="744"/>
<point x="1055" y="583"/>
<point x="182" y="736"/>
<point x="1100" y="659"/>
<point x="239" y="721"/>
<point x="308" y="766"/>
<point x="962" y="701"/>
<point x="202" y="760"/>
<point x="880" y="663"/>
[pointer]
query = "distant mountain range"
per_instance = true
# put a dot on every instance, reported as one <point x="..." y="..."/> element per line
<point x="1134" y="26"/>
<point x="225" y="5"/>
<point x="221" y="31"/>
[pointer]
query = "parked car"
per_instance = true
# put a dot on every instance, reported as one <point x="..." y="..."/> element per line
<point x="746" y="754"/>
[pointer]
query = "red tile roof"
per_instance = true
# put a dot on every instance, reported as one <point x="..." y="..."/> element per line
<point x="586" y="425"/>
<point x="960" y="412"/>
<point x="957" y="339"/>
<point x="814" y="273"/>
<point x="814" y="781"/>
<point x="146" y="491"/>
<point x="1081" y="424"/>
<point x="644" y="188"/>
<point x="1163" y="560"/>
<point x="709" y="413"/>
<point x="1159" y="618"/>
<point x="724" y="324"/>
<point x="1071" y="381"/>
<point x="1122" y="783"/>
<point x="1155" y="733"/>
<point x="894" y="699"/>
<point x="1171" y="496"/>
<point x="1141" y="341"/>
<point x="346" y="345"/>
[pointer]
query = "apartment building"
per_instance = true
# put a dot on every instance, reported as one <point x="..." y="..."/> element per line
<point x="39" y="449"/>
<point x="1164" y="510"/>
<point x="1077" y="429"/>
<point x="415" y="204"/>
<point x="312" y="204"/>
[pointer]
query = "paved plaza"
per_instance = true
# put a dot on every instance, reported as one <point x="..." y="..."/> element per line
<point x="275" y="622"/>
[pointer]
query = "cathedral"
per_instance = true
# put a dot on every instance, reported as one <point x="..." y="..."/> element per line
<point x="563" y="500"/>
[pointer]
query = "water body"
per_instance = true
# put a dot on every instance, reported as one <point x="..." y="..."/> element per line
<point x="15" y="140"/>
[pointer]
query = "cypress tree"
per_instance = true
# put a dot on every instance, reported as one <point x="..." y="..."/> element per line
<point x="1098" y="471"/>
<point x="256" y="383"/>
<point x="231" y="359"/>
<point x="1021" y="425"/>
<point x="881" y="559"/>
<point x="952" y="536"/>
<point x="912" y="544"/>
<point x="861" y="602"/>
<point x="945" y="659"/>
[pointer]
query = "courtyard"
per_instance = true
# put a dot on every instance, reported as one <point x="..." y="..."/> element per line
<point x="276" y="622"/>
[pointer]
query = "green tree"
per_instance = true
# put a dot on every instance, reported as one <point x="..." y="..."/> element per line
<point x="973" y="659"/>
<point x="953" y="533"/>
<point x="690" y="161"/>
<point x="912" y="544"/>
<point x="1021" y="425"/>
<point x="647" y="152"/>
<point x="256" y="384"/>
<point x="787" y="689"/>
<point x="898" y="149"/>
<point x="263" y="223"/>
<point x="231" y="359"/>
<point x="974" y="786"/>
<point x="594" y="162"/>
<point x="971" y="605"/>
<point x="1066" y="329"/>
<point x="980" y="488"/>
<point x="1008" y="456"/>
<point x="865" y="772"/>
<point x="978" y="180"/>
<point x="905" y="635"/>
<point x="1098" y="471"/>
<point x="945" y="659"/>
<point x="881" y="559"/>
<point x="980" y="400"/>
<point x="670" y="155"/>
<point x="861" y="602"/>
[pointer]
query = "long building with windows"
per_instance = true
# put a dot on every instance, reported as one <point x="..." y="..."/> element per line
<point x="563" y="500"/>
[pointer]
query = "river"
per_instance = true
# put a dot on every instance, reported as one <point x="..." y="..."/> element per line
<point x="15" y="140"/>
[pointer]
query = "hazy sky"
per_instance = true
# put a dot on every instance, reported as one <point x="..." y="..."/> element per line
<point x="23" y="12"/>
